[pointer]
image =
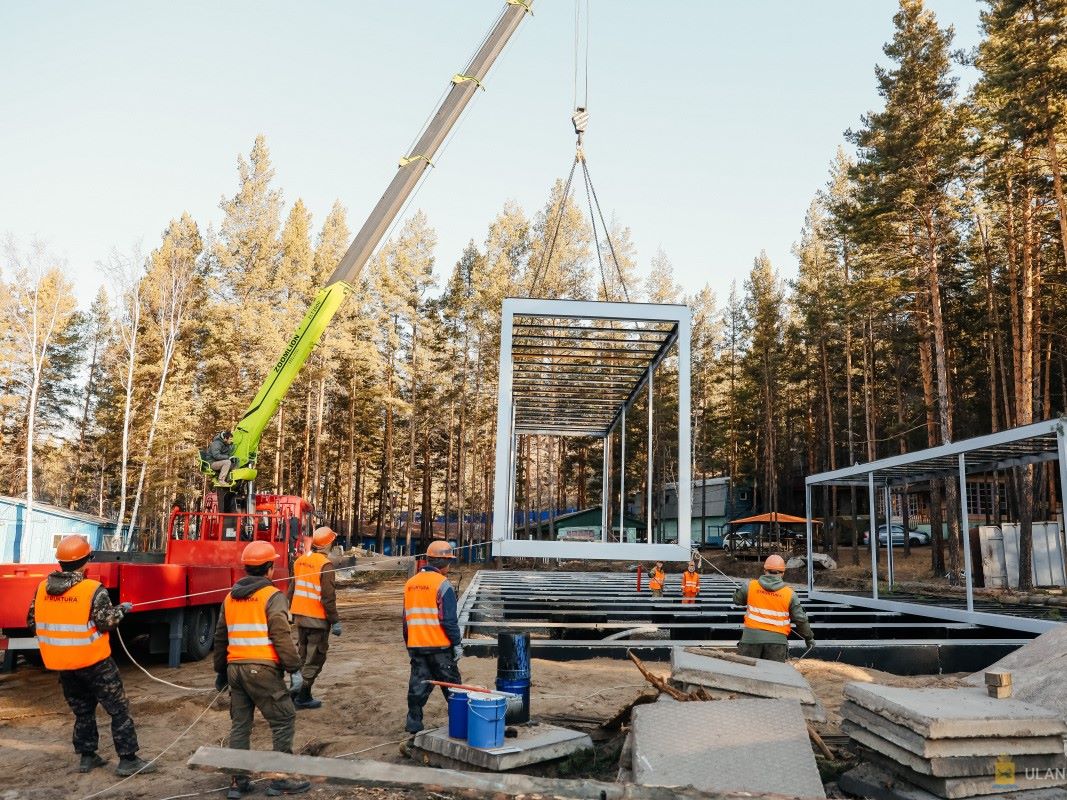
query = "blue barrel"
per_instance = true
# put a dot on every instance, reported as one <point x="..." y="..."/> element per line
<point x="485" y="720"/>
<point x="457" y="713"/>
<point x="521" y="686"/>
<point x="513" y="656"/>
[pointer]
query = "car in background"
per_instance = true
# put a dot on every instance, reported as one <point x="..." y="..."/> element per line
<point x="914" y="538"/>
<point x="743" y="536"/>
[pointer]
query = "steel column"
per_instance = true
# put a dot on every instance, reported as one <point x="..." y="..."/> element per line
<point x="685" y="445"/>
<point x="965" y="532"/>
<point x="648" y="456"/>
<point x="889" y="536"/>
<point x="807" y="514"/>
<point x="1061" y="447"/>
<point x="622" y="475"/>
<point x="605" y="497"/>
<point x="504" y="423"/>
<point x="873" y="535"/>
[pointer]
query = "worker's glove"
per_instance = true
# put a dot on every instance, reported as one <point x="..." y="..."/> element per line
<point x="233" y="461"/>
<point x="221" y="681"/>
<point x="810" y="643"/>
<point x="125" y="608"/>
<point x="335" y="629"/>
<point x="296" y="680"/>
<point x="457" y="652"/>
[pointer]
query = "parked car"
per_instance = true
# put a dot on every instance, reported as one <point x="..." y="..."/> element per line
<point x="915" y="538"/>
<point x="743" y="536"/>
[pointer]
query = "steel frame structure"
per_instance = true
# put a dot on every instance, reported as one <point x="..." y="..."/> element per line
<point x="574" y="368"/>
<point x="1030" y="444"/>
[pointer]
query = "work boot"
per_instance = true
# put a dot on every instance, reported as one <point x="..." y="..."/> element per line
<point x="287" y="786"/>
<point x="238" y="787"/>
<point x="412" y="725"/>
<point x="304" y="699"/>
<point x="132" y="765"/>
<point x="90" y="761"/>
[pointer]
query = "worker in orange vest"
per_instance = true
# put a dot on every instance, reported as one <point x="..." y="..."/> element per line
<point x="772" y="607"/>
<point x="690" y="583"/>
<point x="71" y="616"/>
<point x="313" y="603"/>
<point x="253" y="650"/>
<point x="656" y="579"/>
<point x="431" y="630"/>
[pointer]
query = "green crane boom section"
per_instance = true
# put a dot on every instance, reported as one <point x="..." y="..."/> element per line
<point x="249" y="429"/>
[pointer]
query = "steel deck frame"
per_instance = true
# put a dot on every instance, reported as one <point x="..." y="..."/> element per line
<point x="574" y="368"/>
<point x="571" y="615"/>
<point x="1029" y="444"/>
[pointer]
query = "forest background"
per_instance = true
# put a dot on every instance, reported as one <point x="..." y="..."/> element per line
<point x="928" y="307"/>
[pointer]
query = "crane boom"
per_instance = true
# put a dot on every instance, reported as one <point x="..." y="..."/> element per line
<point x="250" y="428"/>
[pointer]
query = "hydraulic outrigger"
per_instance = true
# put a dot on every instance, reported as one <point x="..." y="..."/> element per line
<point x="249" y="429"/>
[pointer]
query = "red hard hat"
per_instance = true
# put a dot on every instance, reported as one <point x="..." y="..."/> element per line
<point x="257" y="553"/>
<point x="774" y="562"/>
<point x="439" y="548"/>
<point x="322" y="537"/>
<point x="73" y="548"/>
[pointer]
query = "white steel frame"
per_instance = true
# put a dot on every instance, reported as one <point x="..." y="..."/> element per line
<point x="598" y="410"/>
<point x="1030" y="444"/>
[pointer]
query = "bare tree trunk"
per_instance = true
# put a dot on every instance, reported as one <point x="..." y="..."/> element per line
<point x="278" y="450"/>
<point x="316" y="470"/>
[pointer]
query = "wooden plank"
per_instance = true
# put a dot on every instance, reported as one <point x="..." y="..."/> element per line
<point x="426" y="779"/>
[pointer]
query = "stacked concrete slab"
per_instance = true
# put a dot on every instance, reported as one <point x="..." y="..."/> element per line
<point x="758" y="746"/>
<point x="956" y="743"/>
<point x="733" y="678"/>
<point x="1037" y="669"/>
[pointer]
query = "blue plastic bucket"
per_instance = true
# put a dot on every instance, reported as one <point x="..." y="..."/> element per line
<point x="485" y="720"/>
<point x="520" y="686"/>
<point x="457" y="713"/>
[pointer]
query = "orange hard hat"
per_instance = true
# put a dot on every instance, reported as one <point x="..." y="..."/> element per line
<point x="322" y="537"/>
<point x="257" y="553"/>
<point x="774" y="562"/>
<point x="439" y="548"/>
<point x="73" y="548"/>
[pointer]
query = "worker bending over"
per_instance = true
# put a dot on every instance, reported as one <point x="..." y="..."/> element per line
<point x="431" y="631"/>
<point x="253" y="650"/>
<point x="771" y="607"/>
<point x="656" y="579"/>
<point x="313" y="603"/>
<point x="690" y="583"/>
<point x="71" y="616"/>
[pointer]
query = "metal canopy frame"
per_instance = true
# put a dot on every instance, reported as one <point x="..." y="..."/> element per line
<point x="1016" y="447"/>
<point x="574" y="368"/>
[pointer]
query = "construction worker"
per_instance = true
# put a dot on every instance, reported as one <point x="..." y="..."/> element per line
<point x="220" y="456"/>
<point x="771" y="606"/>
<point x="431" y="630"/>
<point x="656" y="579"/>
<point x="313" y="603"/>
<point x="71" y="616"/>
<point x="253" y="649"/>
<point x="690" y="583"/>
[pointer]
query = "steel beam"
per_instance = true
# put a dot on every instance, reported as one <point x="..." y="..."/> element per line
<point x="622" y="477"/>
<point x="648" y="459"/>
<point x="873" y="536"/>
<point x="965" y="533"/>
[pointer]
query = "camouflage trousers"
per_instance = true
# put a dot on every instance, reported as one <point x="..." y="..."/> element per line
<point x="99" y="684"/>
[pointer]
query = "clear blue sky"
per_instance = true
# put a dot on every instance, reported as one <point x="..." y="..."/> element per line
<point x="713" y="122"/>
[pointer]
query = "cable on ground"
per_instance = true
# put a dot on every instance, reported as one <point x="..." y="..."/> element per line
<point x="133" y="660"/>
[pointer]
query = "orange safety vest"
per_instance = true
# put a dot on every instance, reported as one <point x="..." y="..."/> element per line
<point x="690" y="583"/>
<point x="307" y="593"/>
<point x="421" y="615"/>
<point x="655" y="580"/>
<point x="246" y="627"/>
<point x="66" y="633"/>
<point x="767" y="610"/>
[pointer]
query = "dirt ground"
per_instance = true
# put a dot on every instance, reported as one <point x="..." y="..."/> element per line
<point x="363" y="688"/>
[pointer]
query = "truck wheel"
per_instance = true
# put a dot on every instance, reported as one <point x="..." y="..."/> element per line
<point x="199" y="632"/>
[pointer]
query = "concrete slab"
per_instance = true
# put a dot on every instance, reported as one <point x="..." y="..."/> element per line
<point x="734" y="745"/>
<point x="765" y="678"/>
<point x="1037" y="669"/>
<point x="953" y="766"/>
<point x="948" y="748"/>
<point x="968" y="787"/>
<point x="955" y="713"/>
<point x="535" y="743"/>
<point x="874" y="783"/>
<point x="813" y="712"/>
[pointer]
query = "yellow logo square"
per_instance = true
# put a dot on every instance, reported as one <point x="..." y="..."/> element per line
<point x="1004" y="772"/>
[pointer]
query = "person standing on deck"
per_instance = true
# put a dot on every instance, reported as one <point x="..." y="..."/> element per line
<point x="690" y="583"/>
<point x="656" y="579"/>
<point x="431" y="631"/>
<point x="771" y="609"/>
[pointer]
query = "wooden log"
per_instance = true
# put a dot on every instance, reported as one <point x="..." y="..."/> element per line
<point x="819" y="743"/>
<point x="369" y="773"/>
<point x="725" y="655"/>
<point x="657" y="681"/>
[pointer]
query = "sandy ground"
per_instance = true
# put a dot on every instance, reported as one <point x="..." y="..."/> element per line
<point x="363" y="687"/>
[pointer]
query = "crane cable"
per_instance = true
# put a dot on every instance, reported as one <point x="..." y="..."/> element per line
<point x="579" y="119"/>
